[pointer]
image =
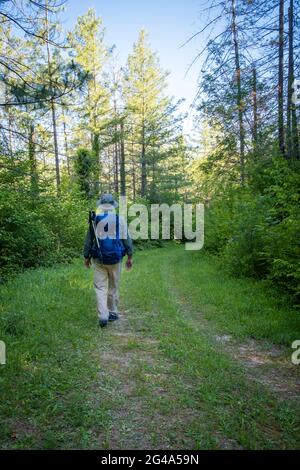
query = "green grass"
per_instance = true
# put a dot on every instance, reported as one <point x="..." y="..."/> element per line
<point x="48" y="326"/>
<point x="243" y="307"/>
<point x="156" y="379"/>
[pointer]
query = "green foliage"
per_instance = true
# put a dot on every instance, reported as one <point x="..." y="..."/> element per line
<point x="85" y="166"/>
<point x="243" y="250"/>
<point x="256" y="232"/>
<point x="217" y="229"/>
<point x="38" y="229"/>
<point x="91" y="53"/>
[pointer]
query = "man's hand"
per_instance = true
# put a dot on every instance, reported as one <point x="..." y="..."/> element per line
<point x="87" y="262"/>
<point x="129" y="263"/>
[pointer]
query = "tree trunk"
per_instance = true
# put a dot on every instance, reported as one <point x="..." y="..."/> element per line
<point x="280" y="79"/>
<point x="292" y="126"/>
<point x="96" y="151"/>
<point x="53" y="111"/>
<point x="289" y="139"/>
<point x="9" y="122"/>
<point x="54" y="126"/>
<point x="133" y="173"/>
<point x="66" y="143"/>
<point x="239" y="100"/>
<point x="255" y="114"/>
<point x="116" y="167"/>
<point x="122" y="162"/>
<point x="116" y="144"/>
<point x="143" y="164"/>
<point x="32" y="161"/>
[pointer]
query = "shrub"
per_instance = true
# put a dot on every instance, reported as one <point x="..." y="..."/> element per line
<point x="40" y="232"/>
<point x="257" y="232"/>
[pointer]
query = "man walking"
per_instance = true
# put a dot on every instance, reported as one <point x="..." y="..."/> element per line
<point x="106" y="242"/>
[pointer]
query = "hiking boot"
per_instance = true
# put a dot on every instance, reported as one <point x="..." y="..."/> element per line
<point x="102" y="323"/>
<point x="113" y="316"/>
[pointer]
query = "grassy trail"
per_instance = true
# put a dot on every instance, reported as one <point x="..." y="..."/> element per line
<point x="197" y="360"/>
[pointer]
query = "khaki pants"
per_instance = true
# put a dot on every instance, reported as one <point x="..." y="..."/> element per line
<point x="106" y="283"/>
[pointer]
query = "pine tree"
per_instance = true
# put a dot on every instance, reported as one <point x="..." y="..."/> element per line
<point x="89" y="50"/>
<point x="150" y="113"/>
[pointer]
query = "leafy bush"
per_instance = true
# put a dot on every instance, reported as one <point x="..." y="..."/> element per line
<point x="257" y="232"/>
<point x="40" y="232"/>
<point x="243" y="252"/>
<point x="217" y="227"/>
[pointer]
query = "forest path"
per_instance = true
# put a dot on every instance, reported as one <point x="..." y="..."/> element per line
<point x="188" y="365"/>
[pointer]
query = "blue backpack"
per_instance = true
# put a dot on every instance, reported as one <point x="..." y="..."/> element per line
<point x="108" y="250"/>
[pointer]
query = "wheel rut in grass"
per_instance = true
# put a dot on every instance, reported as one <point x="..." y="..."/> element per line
<point x="143" y="392"/>
<point x="168" y="376"/>
<point x="264" y="362"/>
